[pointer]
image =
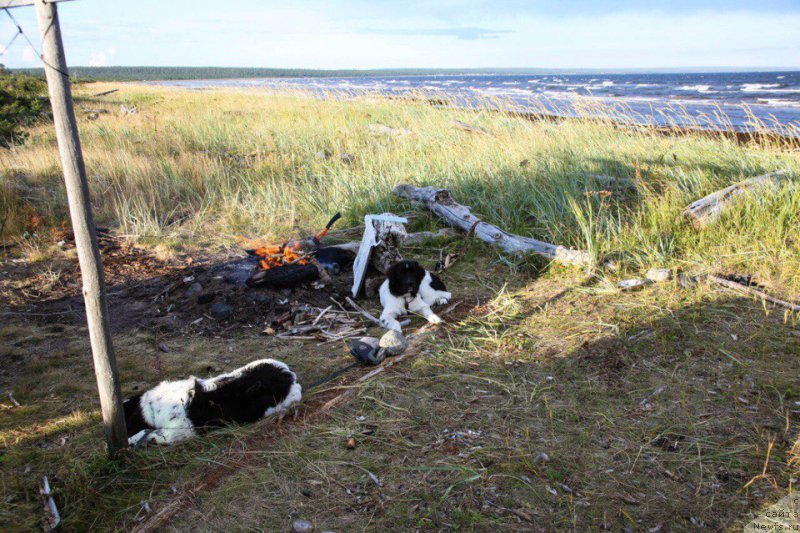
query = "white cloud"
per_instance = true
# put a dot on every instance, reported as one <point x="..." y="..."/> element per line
<point x="102" y="57"/>
<point x="98" y="59"/>
<point x="28" y="55"/>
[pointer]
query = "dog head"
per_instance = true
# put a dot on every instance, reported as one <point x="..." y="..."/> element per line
<point x="405" y="277"/>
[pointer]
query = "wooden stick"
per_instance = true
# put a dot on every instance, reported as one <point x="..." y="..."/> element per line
<point x="370" y="317"/>
<point x="52" y="518"/>
<point x="442" y="204"/>
<point x="13" y="400"/>
<point x="738" y="287"/>
<point x="94" y="290"/>
<point x="710" y="208"/>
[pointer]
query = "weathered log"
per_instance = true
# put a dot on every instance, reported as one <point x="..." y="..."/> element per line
<point x="738" y="287"/>
<point x="709" y="208"/>
<point x="463" y="126"/>
<point x="442" y="204"/>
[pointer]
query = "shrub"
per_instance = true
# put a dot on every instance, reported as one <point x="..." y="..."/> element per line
<point x="21" y="103"/>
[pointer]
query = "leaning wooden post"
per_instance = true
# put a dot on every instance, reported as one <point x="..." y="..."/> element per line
<point x="94" y="291"/>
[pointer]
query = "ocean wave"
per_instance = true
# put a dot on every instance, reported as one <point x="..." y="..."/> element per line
<point x="778" y="102"/>
<point x="758" y="87"/>
<point x="698" y="88"/>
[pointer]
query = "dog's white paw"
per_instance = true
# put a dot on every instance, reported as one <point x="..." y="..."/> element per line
<point x="434" y="319"/>
<point x="441" y="301"/>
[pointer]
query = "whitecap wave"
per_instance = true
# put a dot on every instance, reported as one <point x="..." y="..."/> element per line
<point x="754" y="87"/>
<point x="697" y="88"/>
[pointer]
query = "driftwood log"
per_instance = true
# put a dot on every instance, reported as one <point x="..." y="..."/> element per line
<point x="463" y="126"/>
<point x="744" y="289"/>
<point x="710" y="208"/>
<point x="442" y="204"/>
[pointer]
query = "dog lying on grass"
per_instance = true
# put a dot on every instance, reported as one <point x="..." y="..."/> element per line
<point x="411" y="288"/>
<point x="173" y="411"/>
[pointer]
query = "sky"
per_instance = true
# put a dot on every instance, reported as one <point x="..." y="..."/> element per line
<point x="363" y="34"/>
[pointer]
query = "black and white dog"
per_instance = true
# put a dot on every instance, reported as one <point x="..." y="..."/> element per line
<point x="411" y="288"/>
<point x="173" y="411"/>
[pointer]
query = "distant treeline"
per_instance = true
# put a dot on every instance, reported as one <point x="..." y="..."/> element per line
<point x="198" y="73"/>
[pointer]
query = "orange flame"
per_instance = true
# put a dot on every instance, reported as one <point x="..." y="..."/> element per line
<point x="273" y="255"/>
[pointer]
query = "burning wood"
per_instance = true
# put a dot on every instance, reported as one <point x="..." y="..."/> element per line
<point x="274" y="255"/>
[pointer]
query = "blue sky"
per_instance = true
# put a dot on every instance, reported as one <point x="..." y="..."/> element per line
<point x="421" y="33"/>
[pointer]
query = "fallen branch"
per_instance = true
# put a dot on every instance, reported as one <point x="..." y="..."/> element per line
<point x="369" y="316"/>
<point x="105" y="93"/>
<point x="710" y="208"/>
<point x="442" y="204"/>
<point x="738" y="287"/>
<point x="463" y="126"/>
<point x="13" y="400"/>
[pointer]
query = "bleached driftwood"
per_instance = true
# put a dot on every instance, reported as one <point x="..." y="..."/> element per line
<point x="442" y="204"/>
<point x="709" y="209"/>
<point x="463" y="126"/>
<point x="738" y="287"/>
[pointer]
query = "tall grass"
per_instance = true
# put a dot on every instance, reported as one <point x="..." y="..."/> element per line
<point x="206" y="167"/>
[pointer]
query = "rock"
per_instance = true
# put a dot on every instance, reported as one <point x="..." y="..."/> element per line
<point x="393" y="342"/>
<point x="631" y="285"/>
<point x="541" y="458"/>
<point x="163" y="347"/>
<point x="659" y="275"/>
<point x="302" y="526"/>
<point x="351" y="443"/>
<point x="268" y="331"/>
<point x="221" y="311"/>
<point x="194" y="290"/>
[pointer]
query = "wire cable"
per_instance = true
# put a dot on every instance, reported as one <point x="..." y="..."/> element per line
<point x="30" y="43"/>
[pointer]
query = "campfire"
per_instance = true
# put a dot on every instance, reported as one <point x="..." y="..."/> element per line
<point x="275" y="255"/>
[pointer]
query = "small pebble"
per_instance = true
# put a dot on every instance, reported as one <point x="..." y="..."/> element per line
<point x="351" y="443"/>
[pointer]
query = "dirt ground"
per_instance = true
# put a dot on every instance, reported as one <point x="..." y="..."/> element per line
<point x="547" y="402"/>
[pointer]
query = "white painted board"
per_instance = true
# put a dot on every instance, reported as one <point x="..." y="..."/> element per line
<point x="368" y="242"/>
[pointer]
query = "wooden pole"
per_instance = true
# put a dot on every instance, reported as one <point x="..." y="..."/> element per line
<point x="94" y="291"/>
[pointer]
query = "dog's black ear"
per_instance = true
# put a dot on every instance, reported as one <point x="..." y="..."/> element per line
<point x="395" y="283"/>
